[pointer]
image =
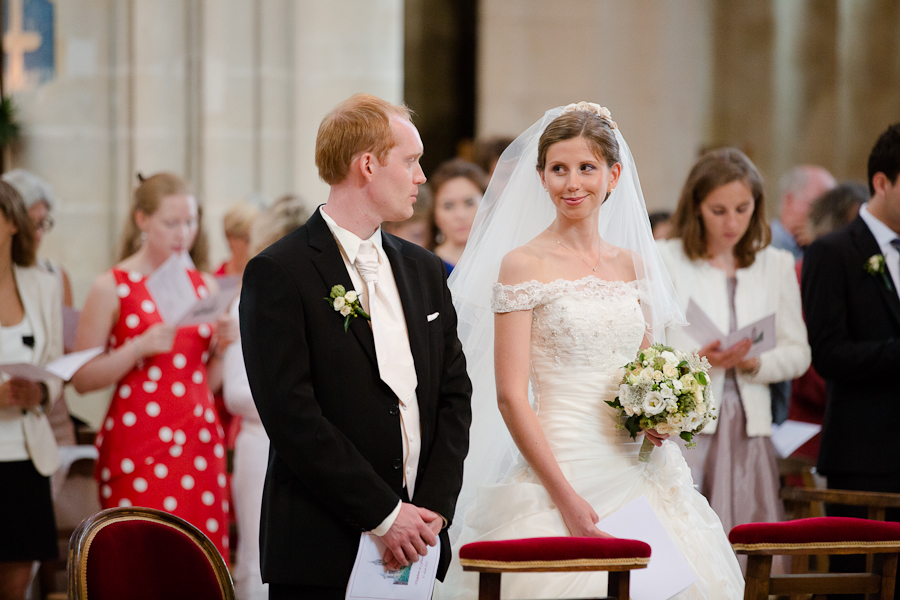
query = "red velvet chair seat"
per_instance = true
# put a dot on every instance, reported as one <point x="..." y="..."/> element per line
<point x="819" y="532"/>
<point x="555" y="552"/>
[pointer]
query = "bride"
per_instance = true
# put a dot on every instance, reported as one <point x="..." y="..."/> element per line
<point x="572" y="305"/>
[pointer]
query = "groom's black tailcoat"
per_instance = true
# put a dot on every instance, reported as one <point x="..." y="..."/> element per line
<point x="335" y="460"/>
<point x="853" y="320"/>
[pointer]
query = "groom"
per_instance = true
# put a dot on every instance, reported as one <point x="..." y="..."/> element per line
<point x="368" y="419"/>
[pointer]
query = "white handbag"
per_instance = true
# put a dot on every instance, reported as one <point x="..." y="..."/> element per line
<point x="41" y="443"/>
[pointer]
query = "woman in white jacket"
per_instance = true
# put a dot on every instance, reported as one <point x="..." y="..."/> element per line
<point x="30" y="332"/>
<point x="718" y="256"/>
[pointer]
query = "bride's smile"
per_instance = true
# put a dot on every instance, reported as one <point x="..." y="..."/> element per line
<point x="575" y="177"/>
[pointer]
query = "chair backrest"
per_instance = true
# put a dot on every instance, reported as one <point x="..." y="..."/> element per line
<point x="144" y="554"/>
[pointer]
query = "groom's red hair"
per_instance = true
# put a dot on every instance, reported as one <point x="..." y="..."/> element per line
<point x="361" y="123"/>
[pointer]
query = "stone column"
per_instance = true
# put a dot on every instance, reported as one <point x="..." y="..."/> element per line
<point x="647" y="61"/>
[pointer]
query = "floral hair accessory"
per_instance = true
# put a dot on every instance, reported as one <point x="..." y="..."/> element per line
<point x="346" y="303"/>
<point x="876" y="265"/>
<point x="591" y="107"/>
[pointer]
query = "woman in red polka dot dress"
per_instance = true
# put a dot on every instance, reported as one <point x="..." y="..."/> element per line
<point x="161" y="444"/>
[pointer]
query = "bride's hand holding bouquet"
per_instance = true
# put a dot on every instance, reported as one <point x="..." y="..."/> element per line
<point x="664" y="390"/>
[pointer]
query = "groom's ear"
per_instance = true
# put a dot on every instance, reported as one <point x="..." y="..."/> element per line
<point x="364" y="166"/>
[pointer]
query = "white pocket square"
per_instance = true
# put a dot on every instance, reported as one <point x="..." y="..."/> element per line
<point x="432" y="316"/>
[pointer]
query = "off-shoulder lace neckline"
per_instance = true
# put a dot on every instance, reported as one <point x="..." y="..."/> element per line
<point x="561" y="280"/>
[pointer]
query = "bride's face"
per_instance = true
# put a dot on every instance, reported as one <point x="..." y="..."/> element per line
<point x="576" y="178"/>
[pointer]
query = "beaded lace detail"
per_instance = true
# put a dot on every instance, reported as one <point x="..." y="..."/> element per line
<point x="527" y="295"/>
<point x="588" y="323"/>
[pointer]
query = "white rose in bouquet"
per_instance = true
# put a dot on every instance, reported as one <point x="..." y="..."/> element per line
<point x="669" y="357"/>
<point x="654" y="403"/>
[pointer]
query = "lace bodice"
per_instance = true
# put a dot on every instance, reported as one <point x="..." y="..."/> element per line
<point x="589" y="324"/>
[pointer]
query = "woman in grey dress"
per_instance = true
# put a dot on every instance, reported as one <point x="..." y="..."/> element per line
<point x="718" y="256"/>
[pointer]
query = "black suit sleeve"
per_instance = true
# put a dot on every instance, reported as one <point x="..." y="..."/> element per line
<point x="277" y="357"/>
<point x="439" y="483"/>
<point x="827" y="286"/>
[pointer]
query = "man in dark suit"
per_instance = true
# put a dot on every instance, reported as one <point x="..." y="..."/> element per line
<point x="850" y="284"/>
<point x="368" y="419"/>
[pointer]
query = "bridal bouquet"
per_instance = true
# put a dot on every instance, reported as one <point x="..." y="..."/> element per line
<point x="666" y="390"/>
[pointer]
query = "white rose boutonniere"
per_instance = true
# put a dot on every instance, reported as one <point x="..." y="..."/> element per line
<point x="876" y="265"/>
<point x="346" y="303"/>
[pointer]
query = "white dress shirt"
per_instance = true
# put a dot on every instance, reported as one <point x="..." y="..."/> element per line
<point x="884" y="235"/>
<point x="410" y="427"/>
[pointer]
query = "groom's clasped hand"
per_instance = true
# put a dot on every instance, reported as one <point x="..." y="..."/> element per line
<point x="415" y="529"/>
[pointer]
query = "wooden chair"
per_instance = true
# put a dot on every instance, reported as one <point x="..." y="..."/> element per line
<point x="804" y="500"/>
<point x="818" y="536"/>
<point x="144" y="554"/>
<point x="532" y="555"/>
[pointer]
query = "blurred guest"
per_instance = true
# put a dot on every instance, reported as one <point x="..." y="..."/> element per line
<point x="161" y="442"/>
<point x="488" y="151"/>
<point x="718" y="257"/>
<point x="238" y="221"/>
<point x="799" y="187"/>
<point x="833" y="210"/>
<point x="30" y="332"/>
<point x="417" y="228"/>
<point x="457" y="186"/>
<point x="851" y="279"/>
<point x="40" y="202"/>
<point x="661" y="224"/>
<point x="251" y="448"/>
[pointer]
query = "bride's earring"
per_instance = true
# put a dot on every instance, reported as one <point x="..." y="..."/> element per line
<point x="439" y="237"/>
<point x="143" y="237"/>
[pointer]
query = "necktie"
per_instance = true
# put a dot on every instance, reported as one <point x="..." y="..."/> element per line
<point x="395" y="361"/>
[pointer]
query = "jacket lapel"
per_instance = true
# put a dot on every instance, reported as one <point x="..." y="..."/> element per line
<point x="34" y="308"/>
<point x="331" y="267"/>
<point x="868" y="247"/>
<point x="409" y="286"/>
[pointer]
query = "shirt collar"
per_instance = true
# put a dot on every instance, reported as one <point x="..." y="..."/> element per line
<point x="881" y="232"/>
<point x="349" y="241"/>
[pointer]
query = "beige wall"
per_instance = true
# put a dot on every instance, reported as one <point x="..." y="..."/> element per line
<point x="228" y="93"/>
<point x="648" y="61"/>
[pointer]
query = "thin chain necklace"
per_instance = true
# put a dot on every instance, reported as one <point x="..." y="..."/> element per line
<point x="594" y="268"/>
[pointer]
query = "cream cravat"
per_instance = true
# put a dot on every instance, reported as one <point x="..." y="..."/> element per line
<point x="395" y="361"/>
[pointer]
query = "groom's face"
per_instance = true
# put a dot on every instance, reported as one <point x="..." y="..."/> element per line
<point x="396" y="182"/>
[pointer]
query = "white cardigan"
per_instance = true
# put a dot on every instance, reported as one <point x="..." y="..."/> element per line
<point x="42" y="299"/>
<point x="768" y="285"/>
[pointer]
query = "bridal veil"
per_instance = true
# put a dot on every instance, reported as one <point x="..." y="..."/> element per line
<point x="515" y="209"/>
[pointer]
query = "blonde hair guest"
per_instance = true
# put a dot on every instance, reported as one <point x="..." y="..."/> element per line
<point x="251" y="447"/>
<point x="238" y="221"/>
<point x="161" y="444"/>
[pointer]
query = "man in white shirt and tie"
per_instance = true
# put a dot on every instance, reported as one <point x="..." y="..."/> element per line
<point x="850" y="286"/>
<point x="368" y="424"/>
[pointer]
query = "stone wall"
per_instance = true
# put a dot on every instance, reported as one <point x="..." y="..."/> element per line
<point x="228" y="93"/>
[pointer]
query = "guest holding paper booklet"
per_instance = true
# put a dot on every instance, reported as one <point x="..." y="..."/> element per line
<point x="30" y="332"/>
<point x="161" y="442"/>
<point x="719" y="256"/>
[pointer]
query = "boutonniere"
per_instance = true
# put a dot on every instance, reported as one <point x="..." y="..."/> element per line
<point x="346" y="303"/>
<point x="876" y="265"/>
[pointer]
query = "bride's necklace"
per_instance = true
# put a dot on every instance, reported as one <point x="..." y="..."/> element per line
<point x="594" y="268"/>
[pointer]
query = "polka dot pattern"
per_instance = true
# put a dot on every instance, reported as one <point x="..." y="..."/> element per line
<point x="161" y="444"/>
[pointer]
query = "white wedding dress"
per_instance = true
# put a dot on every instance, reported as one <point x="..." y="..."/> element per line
<point x="582" y="332"/>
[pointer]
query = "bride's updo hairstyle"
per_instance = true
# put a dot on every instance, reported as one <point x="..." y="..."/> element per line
<point x="715" y="169"/>
<point x="585" y="123"/>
